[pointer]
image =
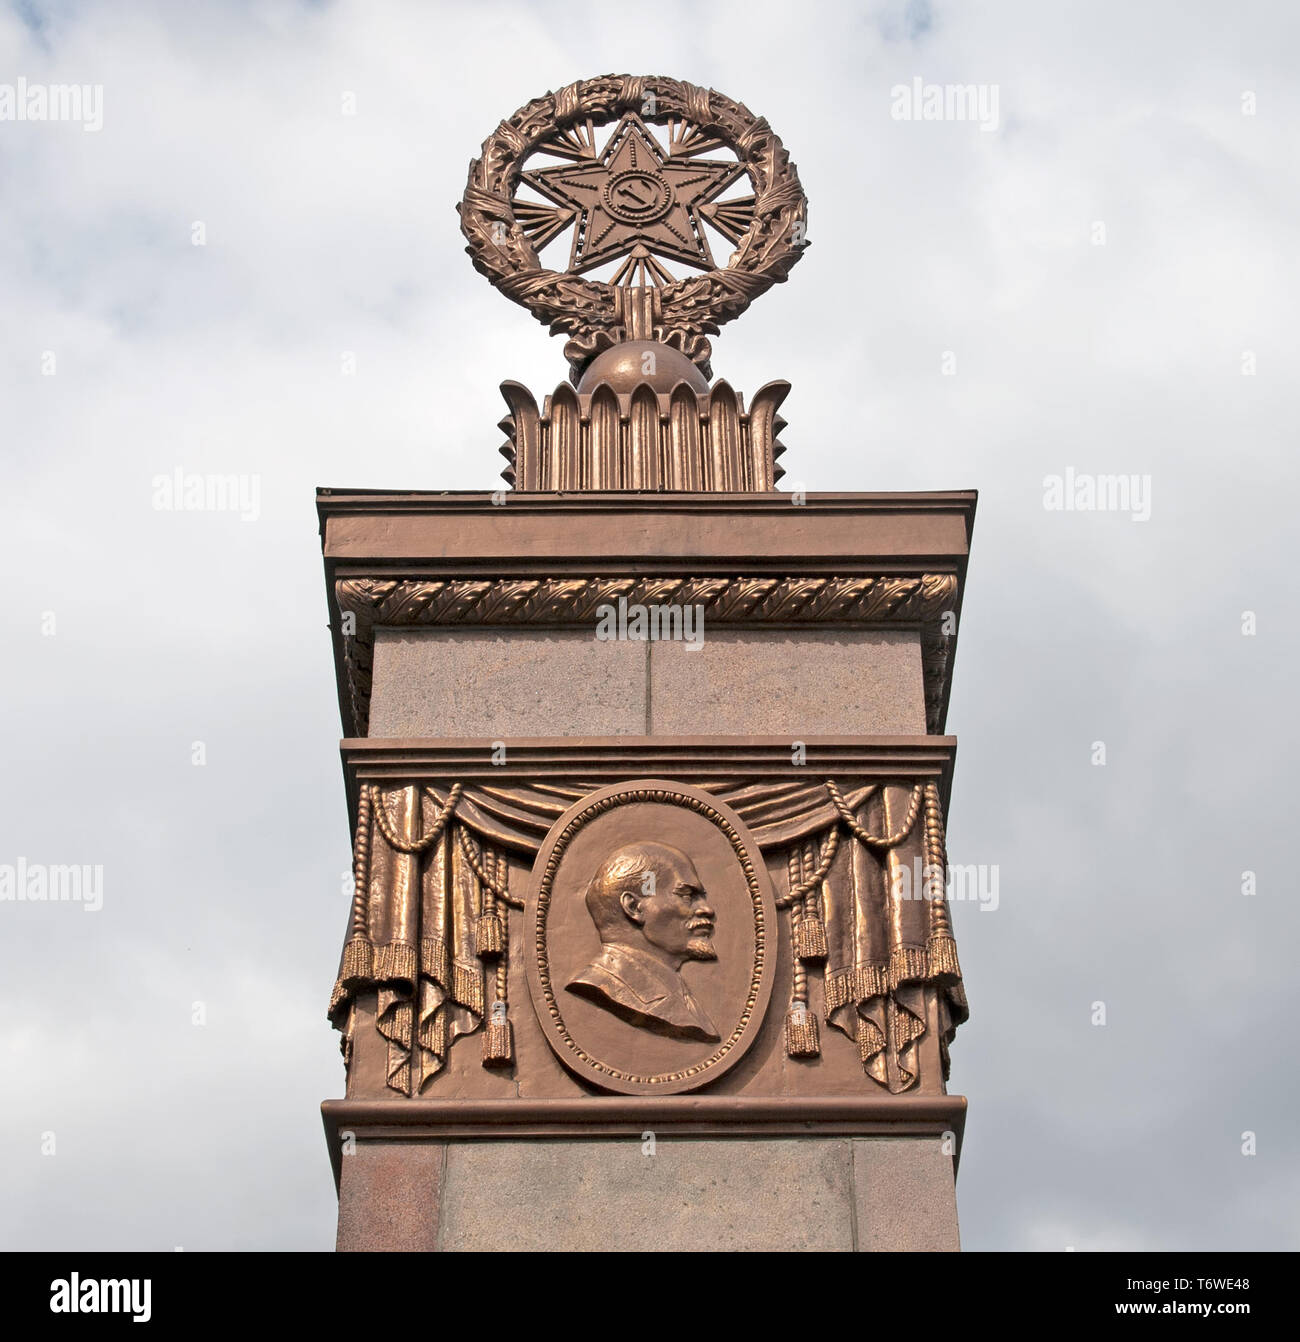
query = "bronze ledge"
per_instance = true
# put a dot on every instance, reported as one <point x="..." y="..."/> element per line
<point x="549" y="534"/>
<point x="614" y="758"/>
<point x="338" y="502"/>
<point x="611" y="1116"/>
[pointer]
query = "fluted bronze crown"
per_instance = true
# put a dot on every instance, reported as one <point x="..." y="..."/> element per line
<point x="611" y="438"/>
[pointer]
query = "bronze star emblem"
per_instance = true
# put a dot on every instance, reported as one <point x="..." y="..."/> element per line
<point x="634" y="199"/>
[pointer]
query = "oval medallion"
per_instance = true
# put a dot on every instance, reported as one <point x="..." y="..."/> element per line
<point x="654" y="938"/>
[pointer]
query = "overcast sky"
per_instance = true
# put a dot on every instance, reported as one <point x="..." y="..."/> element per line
<point x="1164" y="347"/>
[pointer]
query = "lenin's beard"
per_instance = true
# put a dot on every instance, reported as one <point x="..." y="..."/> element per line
<point x="700" y="946"/>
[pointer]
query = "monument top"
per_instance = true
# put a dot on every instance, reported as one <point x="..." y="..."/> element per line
<point x="668" y="884"/>
<point x="637" y="202"/>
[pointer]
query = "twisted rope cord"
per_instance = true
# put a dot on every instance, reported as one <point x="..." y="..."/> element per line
<point x="829" y="846"/>
<point x="812" y="901"/>
<point x="874" y="841"/>
<point x="425" y="841"/>
<point x="500" y="869"/>
<point x="498" y="888"/>
<point x="936" y="857"/>
<point x="488" y="908"/>
<point x="799" y="987"/>
<point x="361" y="866"/>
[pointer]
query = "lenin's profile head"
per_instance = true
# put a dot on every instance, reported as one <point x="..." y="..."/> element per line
<point x="650" y="894"/>
<point x="652" y="914"/>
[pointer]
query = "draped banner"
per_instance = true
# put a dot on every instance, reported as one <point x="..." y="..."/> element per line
<point x="864" y="886"/>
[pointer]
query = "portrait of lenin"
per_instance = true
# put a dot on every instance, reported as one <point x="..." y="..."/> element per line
<point x="652" y="915"/>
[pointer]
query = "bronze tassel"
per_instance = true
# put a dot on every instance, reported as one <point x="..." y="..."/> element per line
<point x="358" y="960"/>
<point x="811" y="944"/>
<point x="498" y="1035"/>
<point x="489" y="936"/>
<point x="498" y="1038"/>
<point x="801" y="1038"/>
<point x="810" y="934"/>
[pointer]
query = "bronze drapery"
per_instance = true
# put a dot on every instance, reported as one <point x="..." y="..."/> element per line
<point x="432" y="861"/>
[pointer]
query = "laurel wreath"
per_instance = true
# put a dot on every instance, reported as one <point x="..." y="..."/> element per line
<point x="588" y="311"/>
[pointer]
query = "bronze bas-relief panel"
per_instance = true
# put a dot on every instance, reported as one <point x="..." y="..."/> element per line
<point x="654" y="934"/>
<point x="431" y="997"/>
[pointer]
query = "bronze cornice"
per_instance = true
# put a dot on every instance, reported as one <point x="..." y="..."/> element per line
<point x="857" y="560"/>
<point x="361" y="605"/>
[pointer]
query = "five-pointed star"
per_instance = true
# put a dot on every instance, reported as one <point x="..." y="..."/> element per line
<point x="633" y="199"/>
